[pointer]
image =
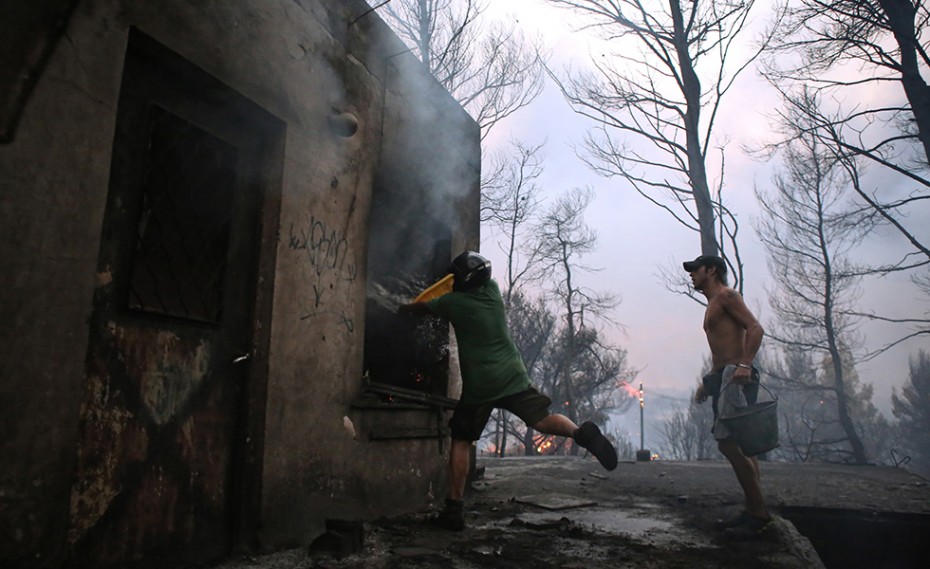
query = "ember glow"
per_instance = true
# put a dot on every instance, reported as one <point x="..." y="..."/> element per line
<point x="544" y="446"/>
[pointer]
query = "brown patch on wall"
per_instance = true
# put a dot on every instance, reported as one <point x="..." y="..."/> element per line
<point x="155" y="447"/>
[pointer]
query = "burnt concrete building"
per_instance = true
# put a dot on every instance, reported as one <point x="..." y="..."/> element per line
<point x="203" y="206"/>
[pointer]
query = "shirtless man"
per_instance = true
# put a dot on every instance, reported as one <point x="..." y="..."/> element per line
<point x="734" y="336"/>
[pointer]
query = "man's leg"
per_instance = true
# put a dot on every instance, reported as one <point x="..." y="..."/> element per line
<point x="587" y="436"/>
<point x="555" y="424"/>
<point x="755" y="465"/>
<point x="452" y="515"/>
<point x="459" y="458"/>
<point x="533" y="409"/>
<point x="747" y="473"/>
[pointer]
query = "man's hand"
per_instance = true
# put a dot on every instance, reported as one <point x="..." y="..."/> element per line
<point x="742" y="375"/>
<point x="700" y="395"/>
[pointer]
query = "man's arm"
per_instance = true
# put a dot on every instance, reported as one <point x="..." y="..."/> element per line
<point x="738" y="310"/>
<point x="415" y="308"/>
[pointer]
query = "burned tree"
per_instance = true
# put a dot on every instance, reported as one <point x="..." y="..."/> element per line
<point x="493" y="70"/>
<point x="885" y="40"/>
<point x="807" y="231"/>
<point x="911" y="408"/>
<point x="655" y="110"/>
<point x="509" y="203"/>
<point x="804" y="116"/>
<point x="687" y="433"/>
<point x="581" y="368"/>
<point x="809" y="423"/>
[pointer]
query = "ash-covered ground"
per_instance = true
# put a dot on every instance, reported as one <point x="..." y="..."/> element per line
<point x="566" y="512"/>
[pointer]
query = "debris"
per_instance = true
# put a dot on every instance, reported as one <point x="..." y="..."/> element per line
<point x="561" y="524"/>
<point x="555" y="501"/>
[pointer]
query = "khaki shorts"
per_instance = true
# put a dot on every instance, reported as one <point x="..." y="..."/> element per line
<point x="468" y="420"/>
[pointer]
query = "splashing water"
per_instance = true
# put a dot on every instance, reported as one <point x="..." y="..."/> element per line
<point x="395" y="292"/>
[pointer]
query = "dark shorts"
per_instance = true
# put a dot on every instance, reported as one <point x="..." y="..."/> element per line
<point x="468" y="420"/>
<point x="712" y="383"/>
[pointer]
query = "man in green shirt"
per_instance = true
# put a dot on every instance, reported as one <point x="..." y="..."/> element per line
<point x="493" y="376"/>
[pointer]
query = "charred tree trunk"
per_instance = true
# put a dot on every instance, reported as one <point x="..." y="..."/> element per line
<point x="842" y="405"/>
<point x="426" y="38"/>
<point x="697" y="171"/>
<point x="901" y="14"/>
<point x="529" y="449"/>
<point x="842" y="401"/>
<point x="502" y="448"/>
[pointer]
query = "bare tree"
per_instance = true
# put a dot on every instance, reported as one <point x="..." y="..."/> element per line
<point x="885" y="42"/>
<point x="583" y="376"/>
<point x="656" y="106"/>
<point x="807" y="231"/>
<point x="883" y="38"/>
<point x="563" y="238"/>
<point x="509" y="203"/>
<point x="626" y="450"/>
<point x="492" y="70"/>
<point x="810" y="426"/>
<point x="687" y="432"/>
<point x="805" y="117"/>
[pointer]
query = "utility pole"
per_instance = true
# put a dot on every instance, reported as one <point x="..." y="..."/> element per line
<point x="643" y="454"/>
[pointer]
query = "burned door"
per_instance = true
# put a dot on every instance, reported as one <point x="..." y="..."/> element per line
<point x="161" y="432"/>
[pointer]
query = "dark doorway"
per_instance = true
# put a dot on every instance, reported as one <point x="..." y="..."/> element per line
<point x="163" y="421"/>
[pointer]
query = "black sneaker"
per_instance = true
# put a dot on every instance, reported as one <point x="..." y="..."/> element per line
<point x="752" y="528"/>
<point x="451" y="517"/>
<point x="590" y="438"/>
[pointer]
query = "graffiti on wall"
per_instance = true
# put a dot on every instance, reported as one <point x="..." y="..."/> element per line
<point x="327" y="254"/>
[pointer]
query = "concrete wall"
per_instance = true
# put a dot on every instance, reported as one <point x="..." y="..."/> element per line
<point x="303" y="63"/>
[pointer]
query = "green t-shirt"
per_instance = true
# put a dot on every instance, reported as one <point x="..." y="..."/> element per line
<point x="491" y="365"/>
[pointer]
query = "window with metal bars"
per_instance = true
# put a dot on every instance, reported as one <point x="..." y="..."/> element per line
<point x="181" y="240"/>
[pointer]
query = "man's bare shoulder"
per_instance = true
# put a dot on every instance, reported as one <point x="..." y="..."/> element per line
<point x="730" y="294"/>
<point x="732" y="301"/>
<point x="727" y="295"/>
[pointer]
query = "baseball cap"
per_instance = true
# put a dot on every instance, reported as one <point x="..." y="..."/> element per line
<point x="706" y="261"/>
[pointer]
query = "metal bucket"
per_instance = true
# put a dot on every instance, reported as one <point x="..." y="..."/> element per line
<point x="755" y="428"/>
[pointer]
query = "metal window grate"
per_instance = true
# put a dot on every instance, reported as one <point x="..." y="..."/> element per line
<point x="182" y="236"/>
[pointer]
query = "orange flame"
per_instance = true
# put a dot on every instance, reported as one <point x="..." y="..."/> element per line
<point x="544" y="445"/>
<point x="629" y="389"/>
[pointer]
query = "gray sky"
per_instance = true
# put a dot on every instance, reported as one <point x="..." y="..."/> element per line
<point x="662" y="332"/>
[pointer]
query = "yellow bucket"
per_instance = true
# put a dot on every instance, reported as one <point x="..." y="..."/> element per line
<point x="437" y="289"/>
